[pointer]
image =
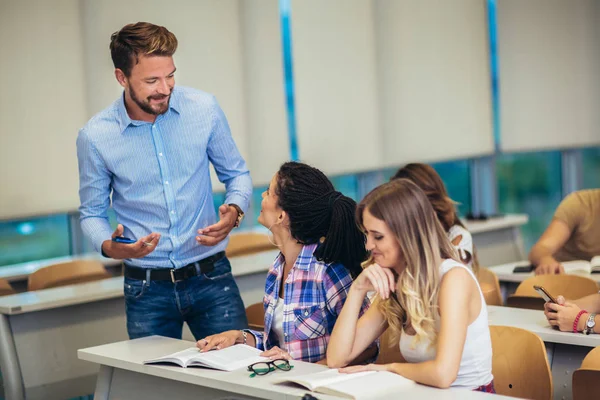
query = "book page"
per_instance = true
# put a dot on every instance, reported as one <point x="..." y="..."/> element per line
<point x="380" y="385"/>
<point x="230" y="358"/>
<point x="574" y="266"/>
<point x="181" y="357"/>
<point x="324" y="378"/>
<point x="595" y="263"/>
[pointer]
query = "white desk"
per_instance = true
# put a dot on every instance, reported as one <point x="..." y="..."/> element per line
<point x="41" y="331"/>
<point x="566" y="350"/>
<point x="122" y="375"/>
<point x="498" y="240"/>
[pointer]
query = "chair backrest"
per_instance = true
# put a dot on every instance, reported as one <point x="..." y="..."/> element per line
<point x="389" y="352"/>
<point x="5" y="288"/>
<point x="68" y="273"/>
<point x="256" y="316"/>
<point x="570" y="286"/>
<point x="490" y="286"/>
<point x="242" y="244"/>
<point x="586" y="380"/>
<point x="519" y="364"/>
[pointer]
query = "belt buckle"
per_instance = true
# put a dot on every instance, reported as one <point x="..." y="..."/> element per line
<point x="173" y="280"/>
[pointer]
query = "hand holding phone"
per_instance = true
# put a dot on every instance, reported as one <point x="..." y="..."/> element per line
<point x="123" y="239"/>
<point x="545" y="295"/>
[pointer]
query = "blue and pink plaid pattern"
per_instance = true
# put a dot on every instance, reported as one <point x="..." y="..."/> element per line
<point x="314" y="295"/>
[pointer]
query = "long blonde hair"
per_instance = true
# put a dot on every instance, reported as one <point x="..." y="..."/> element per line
<point x="423" y="242"/>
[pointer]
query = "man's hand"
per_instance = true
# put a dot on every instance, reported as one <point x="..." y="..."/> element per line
<point x="139" y="249"/>
<point x="211" y="235"/>
<point x="548" y="265"/>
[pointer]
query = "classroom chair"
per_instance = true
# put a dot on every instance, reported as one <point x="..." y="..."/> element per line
<point x="490" y="286"/>
<point x="519" y="364"/>
<point x="389" y="351"/>
<point x="586" y="379"/>
<point x="256" y="316"/>
<point x="569" y="286"/>
<point x="68" y="273"/>
<point x="241" y="244"/>
<point x="5" y="288"/>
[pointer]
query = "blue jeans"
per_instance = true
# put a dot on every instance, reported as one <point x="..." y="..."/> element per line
<point x="209" y="303"/>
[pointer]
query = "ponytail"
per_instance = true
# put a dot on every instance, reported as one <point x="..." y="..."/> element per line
<point x="320" y="214"/>
<point x="344" y="242"/>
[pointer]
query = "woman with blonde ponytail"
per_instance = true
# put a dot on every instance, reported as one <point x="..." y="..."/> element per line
<point x="431" y="302"/>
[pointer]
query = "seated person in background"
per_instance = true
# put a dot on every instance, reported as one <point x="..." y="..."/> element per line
<point x="321" y="253"/>
<point x="430" y="182"/>
<point x="573" y="234"/>
<point x="575" y="315"/>
<point x="431" y="302"/>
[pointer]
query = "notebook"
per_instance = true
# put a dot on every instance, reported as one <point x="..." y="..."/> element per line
<point x="228" y="359"/>
<point x="592" y="266"/>
<point x="359" y="386"/>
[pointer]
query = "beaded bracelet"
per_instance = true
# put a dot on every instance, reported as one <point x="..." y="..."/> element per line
<point x="579" y="314"/>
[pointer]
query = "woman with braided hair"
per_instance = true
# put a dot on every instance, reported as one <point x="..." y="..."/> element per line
<point x="322" y="250"/>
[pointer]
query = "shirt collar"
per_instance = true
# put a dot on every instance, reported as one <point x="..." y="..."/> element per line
<point x="124" y="119"/>
<point x="304" y="260"/>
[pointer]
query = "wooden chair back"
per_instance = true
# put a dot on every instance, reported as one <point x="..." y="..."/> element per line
<point x="586" y="380"/>
<point x="256" y="316"/>
<point x="5" y="288"/>
<point x="241" y="244"/>
<point x="68" y="273"/>
<point x="569" y="286"/>
<point x="490" y="286"/>
<point x="519" y="364"/>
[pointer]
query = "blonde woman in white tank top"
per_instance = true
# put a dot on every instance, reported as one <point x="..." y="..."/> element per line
<point x="431" y="302"/>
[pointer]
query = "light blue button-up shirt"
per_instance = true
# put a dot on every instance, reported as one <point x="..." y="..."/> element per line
<point x="159" y="175"/>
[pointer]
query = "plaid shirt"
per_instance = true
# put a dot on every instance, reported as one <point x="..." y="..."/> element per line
<point x="314" y="295"/>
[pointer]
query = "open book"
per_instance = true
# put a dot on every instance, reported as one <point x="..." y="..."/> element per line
<point x="581" y="265"/>
<point x="228" y="359"/>
<point x="359" y="386"/>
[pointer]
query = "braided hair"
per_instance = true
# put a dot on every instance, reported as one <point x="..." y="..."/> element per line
<point x="316" y="210"/>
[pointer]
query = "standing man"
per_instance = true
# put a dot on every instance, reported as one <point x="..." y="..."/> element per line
<point x="152" y="149"/>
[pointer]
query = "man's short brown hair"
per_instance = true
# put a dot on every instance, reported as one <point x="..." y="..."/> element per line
<point x="140" y="39"/>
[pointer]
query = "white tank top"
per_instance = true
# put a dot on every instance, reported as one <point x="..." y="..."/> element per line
<point x="277" y="324"/>
<point x="476" y="362"/>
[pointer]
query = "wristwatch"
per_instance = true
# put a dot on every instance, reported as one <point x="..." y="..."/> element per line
<point x="240" y="216"/>
<point x="590" y="324"/>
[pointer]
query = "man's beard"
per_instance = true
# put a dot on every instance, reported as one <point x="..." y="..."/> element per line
<point x="146" y="107"/>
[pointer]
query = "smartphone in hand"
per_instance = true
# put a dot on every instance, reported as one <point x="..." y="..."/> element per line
<point x="123" y="239"/>
<point x="545" y="295"/>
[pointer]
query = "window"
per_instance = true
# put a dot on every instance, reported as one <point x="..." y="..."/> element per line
<point x="591" y="168"/>
<point x="530" y="183"/>
<point x="34" y="239"/>
<point x="347" y="185"/>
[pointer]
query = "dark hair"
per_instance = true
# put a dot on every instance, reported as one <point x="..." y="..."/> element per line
<point x="316" y="210"/>
<point x="141" y="38"/>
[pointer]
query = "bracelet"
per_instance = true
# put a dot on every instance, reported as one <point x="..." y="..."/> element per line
<point x="245" y="336"/>
<point x="576" y="322"/>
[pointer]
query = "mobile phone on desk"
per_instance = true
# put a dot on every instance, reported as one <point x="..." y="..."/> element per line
<point x="545" y="295"/>
<point x="523" y="268"/>
<point x="123" y="239"/>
